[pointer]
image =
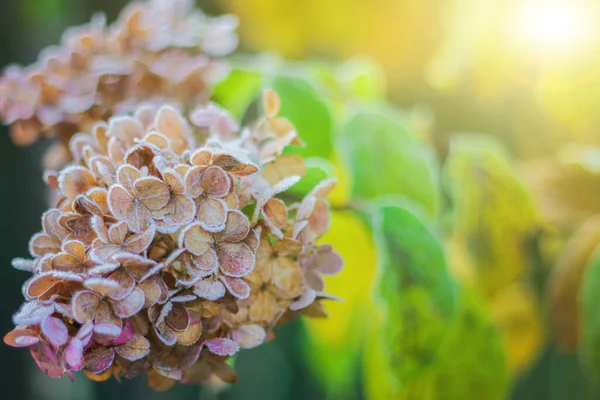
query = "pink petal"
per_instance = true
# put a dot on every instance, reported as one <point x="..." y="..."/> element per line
<point x="55" y="331"/>
<point x="236" y="287"/>
<point x="99" y="360"/>
<point x="223" y="346"/>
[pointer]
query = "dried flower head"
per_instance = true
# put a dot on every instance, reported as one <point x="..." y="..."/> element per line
<point x="169" y="249"/>
<point x="156" y="50"/>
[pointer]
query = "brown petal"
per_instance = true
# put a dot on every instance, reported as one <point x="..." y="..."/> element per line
<point x="190" y="335"/>
<point x="171" y="124"/>
<point x="75" y="180"/>
<point x="139" y="242"/>
<point x="178" y="319"/>
<point x="85" y="305"/>
<point x="215" y="182"/>
<point x="236" y="287"/>
<point x="138" y="347"/>
<point x="233" y="165"/>
<point x="42" y="244"/>
<point x="47" y="282"/>
<point x="120" y="202"/>
<point x="235" y="259"/>
<point x="65" y="262"/>
<point x="129" y="305"/>
<point x="236" y="229"/>
<point x="152" y="193"/>
<point x="126" y="129"/>
<point x="117" y="232"/>
<point x="99" y="360"/>
<point x="152" y="292"/>
<point x="126" y="284"/>
<point x="193" y="181"/>
<point x="135" y="264"/>
<point x="158" y="382"/>
<point x="209" y="289"/>
<point x="182" y="212"/>
<point x="21" y="338"/>
<point x="173" y="181"/>
<point x="165" y="334"/>
<point x="264" y="308"/>
<point x="127" y="175"/>
<point x="100" y="197"/>
<point x="275" y="212"/>
<point x="106" y="315"/>
<point x="287" y="277"/>
<point x="102" y="286"/>
<point x="195" y="239"/>
<point x="283" y="167"/>
<point x="211" y="213"/>
<point x="207" y="263"/>
<point x="201" y="157"/>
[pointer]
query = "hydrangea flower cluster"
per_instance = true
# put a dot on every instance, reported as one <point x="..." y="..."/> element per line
<point x="170" y="247"/>
<point x="156" y="50"/>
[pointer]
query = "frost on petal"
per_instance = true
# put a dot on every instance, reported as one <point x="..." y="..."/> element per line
<point x="23" y="264"/>
<point x="54" y="330"/>
<point x="129" y="305"/>
<point x="195" y="239"/>
<point x="99" y="360"/>
<point x="42" y="244"/>
<point x="125" y="282"/>
<point x="125" y="334"/>
<point x="209" y="289"/>
<point x="234" y="166"/>
<point x="74" y="354"/>
<point x="236" y="229"/>
<point x="101" y="286"/>
<point x="136" y="348"/>
<point x="207" y="262"/>
<point x="139" y="242"/>
<point x="235" y="259"/>
<point x="275" y="212"/>
<point x="249" y="336"/>
<point x="166" y="335"/>
<point x="85" y="304"/>
<point x="21" y="338"/>
<point x="120" y="202"/>
<point x="127" y="175"/>
<point x="136" y="265"/>
<point x="75" y="180"/>
<point x="222" y="346"/>
<point x="193" y="181"/>
<point x="236" y="287"/>
<point x="215" y="182"/>
<point x="211" y="213"/>
<point x="32" y="313"/>
<point x="152" y="193"/>
<point x="106" y="333"/>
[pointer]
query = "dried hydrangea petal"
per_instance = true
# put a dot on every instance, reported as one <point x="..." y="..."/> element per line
<point x="130" y="305"/>
<point x="54" y="330"/>
<point x="222" y="346"/>
<point x="249" y="336"/>
<point x="99" y="360"/>
<point x="136" y="348"/>
<point x="21" y="338"/>
<point x="235" y="259"/>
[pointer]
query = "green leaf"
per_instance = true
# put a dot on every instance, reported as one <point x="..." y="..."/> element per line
<point x="237" y="91"/>
<point x="589" y="343"/>
<point x="311" y="116"/>
<point x="386" y="159"/>
<point x="418" y="295"/>
<point x="472" y="356"/>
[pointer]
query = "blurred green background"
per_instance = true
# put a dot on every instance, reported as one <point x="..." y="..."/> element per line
<point x="465" y="137"/>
